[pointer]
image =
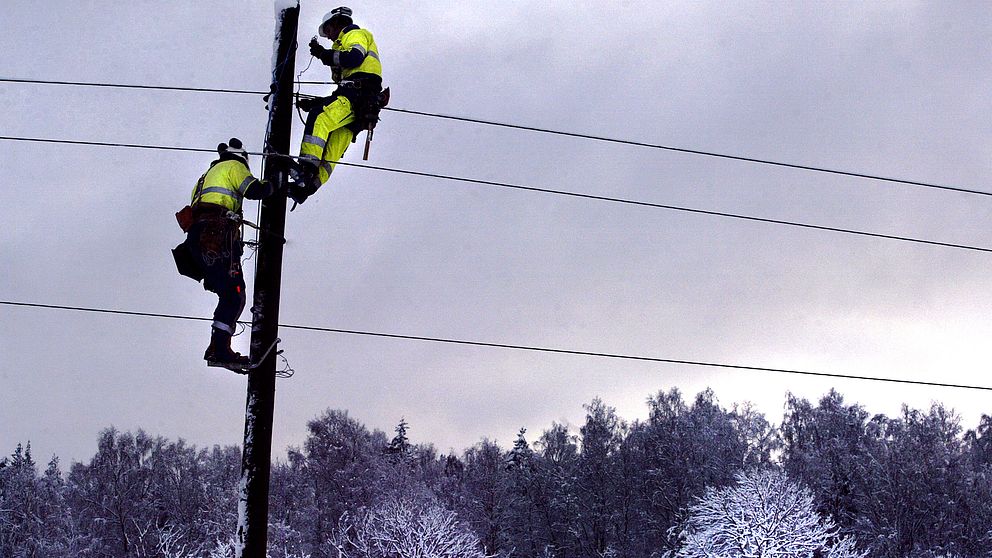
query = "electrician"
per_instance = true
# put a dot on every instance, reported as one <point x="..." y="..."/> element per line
<point x="333" y="121"/>
<point x="214" y="242"/>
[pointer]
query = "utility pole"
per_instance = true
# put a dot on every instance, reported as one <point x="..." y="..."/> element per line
<point x="253" y="498"/>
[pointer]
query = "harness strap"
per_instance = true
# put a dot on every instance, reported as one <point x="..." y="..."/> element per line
<point x="199" y="190"/>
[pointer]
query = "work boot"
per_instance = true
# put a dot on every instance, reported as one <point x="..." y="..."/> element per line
<point x="219" y="353"/>
<point x="301" y="171"/>
<point x="304" y="174"/>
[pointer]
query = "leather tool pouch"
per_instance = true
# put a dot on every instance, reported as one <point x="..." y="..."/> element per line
<point x="185" y="218"/>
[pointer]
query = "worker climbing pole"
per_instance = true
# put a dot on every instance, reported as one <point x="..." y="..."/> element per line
<point x="212" y="250"/>
<point x="334" y="121"/>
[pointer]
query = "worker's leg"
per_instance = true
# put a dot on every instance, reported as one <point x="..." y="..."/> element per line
<point x="337" y="144"/>
<point x="326" y="137"/>
<point x="230" y="302"/>
<point x="219" y="251"/>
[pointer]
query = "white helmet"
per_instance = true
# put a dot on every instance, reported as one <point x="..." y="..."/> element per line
<point x="341" y="12"/>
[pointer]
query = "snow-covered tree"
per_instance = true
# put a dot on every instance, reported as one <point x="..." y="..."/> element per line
<point x="825" y="447"/>
<point x="686" y="448"/>
<point x="337" y="470"/>
<point x="554" y="488"/>
<point x="404" y="528"/>
<point x="113" y="493"/>
<point x="764" y="515"/>
<point x="484" y="501"/>
<point x="524" y="533"/>
<point x="35" y="519"/>
<point x="919" y="487"/>
<point x="399" y="446"/>
<point x="521" y="453"/>
<point x="597" y="484"/>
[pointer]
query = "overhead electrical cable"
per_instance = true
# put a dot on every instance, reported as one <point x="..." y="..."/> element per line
<point x="113" y="144"/>
<point x="531" y="348"/>
<point x="544" y="191"/>
<point x="696" y="152"/>
<point x="134" y="86"/>
<point x="620" y="141"/>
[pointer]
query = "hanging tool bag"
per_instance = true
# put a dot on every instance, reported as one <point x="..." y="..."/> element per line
<point x="217" y="237"/>
<point x="186" y="264"/>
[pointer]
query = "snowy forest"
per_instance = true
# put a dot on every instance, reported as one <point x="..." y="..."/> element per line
<point x="695" y="479"/>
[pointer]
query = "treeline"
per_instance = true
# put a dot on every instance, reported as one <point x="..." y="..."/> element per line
<point x="915" y="485"/>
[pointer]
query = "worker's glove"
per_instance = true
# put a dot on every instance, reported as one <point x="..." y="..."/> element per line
<point x="316" y="50"/>
<point x="296" y="195"/>
<point x="299" y="192"/>
<point x="325" y="55"/>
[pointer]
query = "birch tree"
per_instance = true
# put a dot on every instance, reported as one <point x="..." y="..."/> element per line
<point x="403" y="528"/>
<point x="764" y="515"/>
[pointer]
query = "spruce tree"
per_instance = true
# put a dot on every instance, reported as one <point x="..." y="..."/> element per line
<point x="400" y="444"/>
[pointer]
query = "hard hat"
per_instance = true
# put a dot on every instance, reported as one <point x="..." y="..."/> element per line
<point x="233" y="147"/>
<point x="341" y="12"/>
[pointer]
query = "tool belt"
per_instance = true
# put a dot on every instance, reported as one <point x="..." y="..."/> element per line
<point x="366" y="96"/>
<point x="219" y="237"/>
<point x="219" y="234"/>
<point x="201" y="212"/>
<point x="367" y="99"/>
<point x="205" y="211"/>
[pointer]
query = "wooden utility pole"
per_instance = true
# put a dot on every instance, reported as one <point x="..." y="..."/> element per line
<point x="253" y="499"/>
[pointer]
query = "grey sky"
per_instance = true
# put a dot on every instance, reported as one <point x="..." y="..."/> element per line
<point x="896" y="89"/>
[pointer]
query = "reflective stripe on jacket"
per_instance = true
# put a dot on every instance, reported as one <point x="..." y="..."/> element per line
<point x="361" y="40"/>
<point x="225" y="185"/>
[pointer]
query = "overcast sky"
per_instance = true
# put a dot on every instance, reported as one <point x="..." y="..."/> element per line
<point x="896" y="89"/>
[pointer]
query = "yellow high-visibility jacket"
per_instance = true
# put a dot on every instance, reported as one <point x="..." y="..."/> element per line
<point x="225" y="184"/>
<point x="356" y="38"/>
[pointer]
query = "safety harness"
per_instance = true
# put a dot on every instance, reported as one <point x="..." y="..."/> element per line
<point x="220" y="222"/>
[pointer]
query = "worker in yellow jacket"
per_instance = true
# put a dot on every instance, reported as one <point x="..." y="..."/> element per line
<point x="333" y="121"/>
<point x="214" y="245"/>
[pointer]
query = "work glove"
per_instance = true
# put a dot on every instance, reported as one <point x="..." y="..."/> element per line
<point x="299" y="193"/>
<point x="296" y="194"/>
<point x="325" y="55"/>
<point x="316" y="50"/>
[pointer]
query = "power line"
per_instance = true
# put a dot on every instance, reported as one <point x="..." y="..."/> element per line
<point x="113" y="144"/>
<point x="134" y="86"/>
<point x="549" y="191"/>
<point x="697" y="152"/>
<point x="540" y="130"/>
<point x="487" y="344"/>
<point x="676" y="208"/>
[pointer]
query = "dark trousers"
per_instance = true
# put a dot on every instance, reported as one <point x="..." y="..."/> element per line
<point x="216" y="246"/>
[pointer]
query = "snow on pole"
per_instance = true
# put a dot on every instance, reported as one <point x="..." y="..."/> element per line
<point x="280" y="8"/>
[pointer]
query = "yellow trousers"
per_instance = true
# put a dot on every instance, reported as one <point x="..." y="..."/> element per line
<point x="326" y="136"/>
